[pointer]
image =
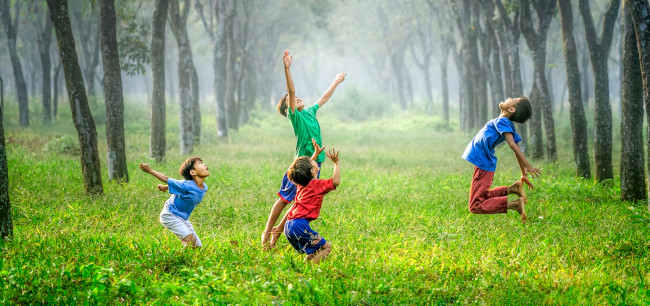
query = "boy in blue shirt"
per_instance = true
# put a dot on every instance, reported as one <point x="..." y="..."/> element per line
<point x="480" y="152"/>
<point x="306" y="128"/>
<point x="186" y="194"/>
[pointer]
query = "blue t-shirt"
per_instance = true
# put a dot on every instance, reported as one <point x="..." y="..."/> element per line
<point x="185" y="196"/>
<point x="480" y="151"/>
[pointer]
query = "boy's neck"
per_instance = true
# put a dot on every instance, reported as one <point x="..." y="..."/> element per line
<point x="199" y="181"/>
<point x="505" y="114"/>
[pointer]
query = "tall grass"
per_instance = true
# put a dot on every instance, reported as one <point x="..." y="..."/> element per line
<point x="399" y="224"/>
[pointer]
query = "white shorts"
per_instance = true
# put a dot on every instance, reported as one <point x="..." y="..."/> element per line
<point x="178" y="225"/>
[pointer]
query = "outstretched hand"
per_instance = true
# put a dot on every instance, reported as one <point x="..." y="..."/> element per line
<point x="333" y="155"/>
<point x="534" y="173"/>
<point x="145" y="168"/>
<point x="286" y="58"/>
<point x="341" y="77"/>
<point x="317" y="148"/>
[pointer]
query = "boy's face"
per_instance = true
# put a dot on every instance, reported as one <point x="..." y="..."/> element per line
<point x="200" y="170"/>
<point x="299" y="104"/>
<point x="314" y="169"/>
<point x="509" y="105"/>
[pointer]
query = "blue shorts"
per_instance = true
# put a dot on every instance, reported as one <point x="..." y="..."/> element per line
<point x="302" y="237"/>
<point x="288" y="189"/>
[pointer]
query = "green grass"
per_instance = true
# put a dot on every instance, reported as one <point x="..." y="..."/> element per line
<point x="399" y="224"/>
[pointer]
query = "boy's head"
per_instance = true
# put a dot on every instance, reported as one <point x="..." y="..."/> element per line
<point x="193" y="166"/>
<point x="520" y="109"/>
<point x="302" y="171"/>
<point x="283" y="104"/>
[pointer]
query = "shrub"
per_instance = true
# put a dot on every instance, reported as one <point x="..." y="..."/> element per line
<point x="64" y="145"/>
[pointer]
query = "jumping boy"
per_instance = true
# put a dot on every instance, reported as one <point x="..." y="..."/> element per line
<point x="305" y="127"/>
<point x="480" y="152"/>
<point x="186" y="194"/>
<point x="307" y="206"/>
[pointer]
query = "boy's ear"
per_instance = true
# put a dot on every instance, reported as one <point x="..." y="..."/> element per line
<point x="192" y="172"/>
<point x="512" y="110"/>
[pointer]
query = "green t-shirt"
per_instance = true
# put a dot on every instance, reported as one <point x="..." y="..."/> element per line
<point x="305" y="127"/>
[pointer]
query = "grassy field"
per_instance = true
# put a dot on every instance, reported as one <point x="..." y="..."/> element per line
<point x="398" y="223"/>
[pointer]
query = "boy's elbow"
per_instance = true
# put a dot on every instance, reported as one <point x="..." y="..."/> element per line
<point x="336" y="183"/>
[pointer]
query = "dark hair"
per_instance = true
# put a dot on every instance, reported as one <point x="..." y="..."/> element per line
<point x="300" y="171"/>
<point x="188" y="166"/>
<point x="523" y="110"/>
<point x="282" y="105"/>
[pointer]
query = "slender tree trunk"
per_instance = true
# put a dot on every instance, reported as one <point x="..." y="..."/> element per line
<point x="445" y="85"/>
<point x="6" y="224"/>
<point x="11" y="30"/>
<point x="83" y="119"/>
<point x="55" y="94"/>
<point x="157" y="137"/>
<point x="220" y="68"/>
<point x="598" y="52"/>
<point x="196" y="107"/>
<point x="633" y="184"/>
<point x="116" y="155"/>
<point x="641" y="18"/>
<point x="577" y="112"/>
<point x="231" y="103"/>
<point x="45" y="37"/>
<point x="179" y="28"/>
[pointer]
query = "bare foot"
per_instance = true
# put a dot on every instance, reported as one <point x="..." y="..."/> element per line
<point x="518" y="205"/>
<point x="518" y="189"/>
<point x="266" y="236"/>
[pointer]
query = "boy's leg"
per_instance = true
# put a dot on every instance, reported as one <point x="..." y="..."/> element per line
<point x="192" y="237"/>
<point x="518" y="189"/>
<point x="482" y="199"/>
<point x="286" y="194"/>
<point x="518" y="205"/>
<point x="321" y="254"/>
<point x="177" y="225"/>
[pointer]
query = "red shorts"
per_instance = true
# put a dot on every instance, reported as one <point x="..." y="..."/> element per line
<point x="482" y="199"/>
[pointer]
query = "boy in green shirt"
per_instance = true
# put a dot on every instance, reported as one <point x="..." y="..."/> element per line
<point x="305" y="127"/>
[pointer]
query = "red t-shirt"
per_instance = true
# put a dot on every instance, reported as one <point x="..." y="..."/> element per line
<point x="309" y="199"/>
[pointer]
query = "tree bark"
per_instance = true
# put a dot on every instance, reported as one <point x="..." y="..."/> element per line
<point x="220" y="68"/>
<point x="157" y="136"/>
<point x="44" y="40"/>
<point x="577" y="112"/>
<point x="536" y="40"/>
<point x="83" y="119"/>
<point x="638" y="11"/>
<point x="598" y="52"/>
<point x="6" y="224"/>
<point x="11" y="30"/>
<point x="55" y="94"/>
<point x="178" y="23"/>
<point x="116" y="155"/>
<point x="232" y="110"/>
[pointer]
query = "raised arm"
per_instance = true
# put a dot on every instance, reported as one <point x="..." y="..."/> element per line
<point x="521" y="160"/>
<point x="286" y="58"/>
<point x="333" y="155"/>
<point x="146" y="168"/>
<point x="326" y="96"/>
<point x="317" y="149"/>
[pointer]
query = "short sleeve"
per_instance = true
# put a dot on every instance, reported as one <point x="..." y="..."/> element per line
<point x="312" y="109"/>
<point x="322" y="187"/>
<point x="504" y="125"/>
<point x="175" y="186"/>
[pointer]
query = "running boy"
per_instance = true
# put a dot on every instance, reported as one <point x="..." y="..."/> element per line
<point x="309" y="199"/>
<point x="480" y="152"/>
<point x="186" y="194"/>
<point x="305" y="127"/>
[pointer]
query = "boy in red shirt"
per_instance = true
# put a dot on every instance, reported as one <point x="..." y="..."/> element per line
<point x="309" y="198"/>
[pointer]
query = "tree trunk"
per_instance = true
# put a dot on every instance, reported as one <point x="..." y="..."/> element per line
<point x="641" y="18"/>
<point x="6" y="224"/>
<point x="83" y="119"/>
<point x="157" y="137"/>
<point x="55" y="94"/>
<point x="220" y="68"/>
<point x="598" y="52"/>
<point x="116" y="155"/>
<point x="231" y="103"/>
<point x="577" y="112"/>
<point x="536" y="40"/>
<point x="196" y="107"/>
<point x="178" y="23"/>
<point x="45" y="37"/>
<point x="632" y="160"/>
<point x="445" y="85"/>
<point x="11" y="30"/>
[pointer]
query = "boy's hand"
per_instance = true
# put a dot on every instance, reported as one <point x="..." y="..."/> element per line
<point x="317" y="148"/>
<point x="287" y="59"/>
<point x="524" y="179"/>
<point x="534" y="173"/>
<point x="145" y="168"/>
<point x="333" y="155"/>
<point x="162" y="187"/>
<point x="341" y="77"/>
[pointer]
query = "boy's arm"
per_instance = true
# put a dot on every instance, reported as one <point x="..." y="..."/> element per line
<point x="326" y="96"/>
<point x="334" y="157"/>
<point x="146" y="168"/>
<point x="317" y="149"/>
<point x="286" y="58"/>
<point x="521" y="160"/>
